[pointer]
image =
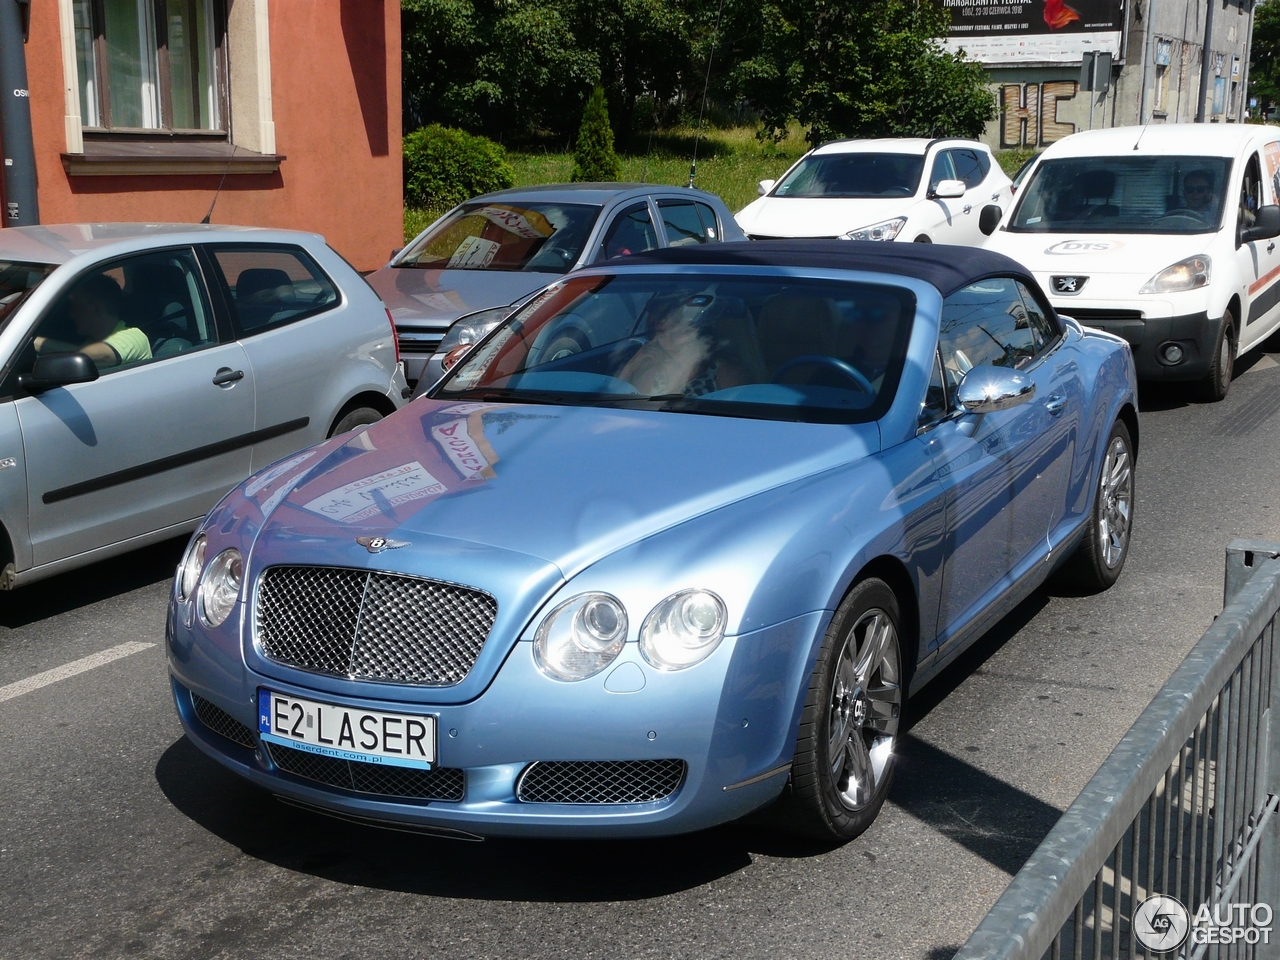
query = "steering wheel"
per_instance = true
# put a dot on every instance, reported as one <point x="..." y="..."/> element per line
<point x="850" y="373"/>
<point x="1181" y="213"/>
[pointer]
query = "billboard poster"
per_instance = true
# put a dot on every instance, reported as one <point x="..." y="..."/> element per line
<point x="1034" y="31"/>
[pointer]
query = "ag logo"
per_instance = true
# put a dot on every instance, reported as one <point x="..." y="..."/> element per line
<point x="1068" y="286"/>
<point x="378" y="544"/>
<point x="1070" y="247"/>
<point x="1160" y="923"/>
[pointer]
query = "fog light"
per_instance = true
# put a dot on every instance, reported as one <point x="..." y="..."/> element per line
<point x="1171" y="353"/>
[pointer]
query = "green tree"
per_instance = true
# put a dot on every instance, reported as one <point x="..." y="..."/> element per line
<point x="871" y="68"/>
<point x="593" y="157"/>
<point x="1264" y="60"/>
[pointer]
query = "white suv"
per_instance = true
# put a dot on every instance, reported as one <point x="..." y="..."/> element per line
<point x="878" y="190"/>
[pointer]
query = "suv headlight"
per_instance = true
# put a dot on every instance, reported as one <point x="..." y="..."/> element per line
<point x="1184" y="275"/>
<point x="683" y="629"/>
<point x="220" y="587"/>
<point x="580" y="637"/>
<point x="190" y="567"/>
<point x="885" y="230"/>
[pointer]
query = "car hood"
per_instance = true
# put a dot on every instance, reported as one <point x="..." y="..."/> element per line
<point x="1140" y="255"/>
<point x="436" y="298"/>
<point x="817" y="216"/>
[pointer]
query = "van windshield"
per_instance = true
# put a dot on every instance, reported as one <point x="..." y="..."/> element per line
<point x="1124" y="195"/>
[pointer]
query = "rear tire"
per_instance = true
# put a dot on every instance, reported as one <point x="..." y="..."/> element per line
<point x="844" y="757"/>
<point x="1100" y="557"/>
<point x="359" y="417"/>
<point x="1215" y="386"/>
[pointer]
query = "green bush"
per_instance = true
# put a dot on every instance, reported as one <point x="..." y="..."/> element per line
<point x="593" y="158"/>
<point x="443" y="167"/>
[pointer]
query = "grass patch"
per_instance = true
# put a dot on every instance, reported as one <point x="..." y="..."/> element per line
<point x="1012" y="160"/>
<point x="730" y="164"/>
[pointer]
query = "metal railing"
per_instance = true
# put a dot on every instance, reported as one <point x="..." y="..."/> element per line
<point x="1185" y="806"/>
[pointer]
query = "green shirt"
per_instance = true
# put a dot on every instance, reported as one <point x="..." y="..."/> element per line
<point x="130" y="342"/>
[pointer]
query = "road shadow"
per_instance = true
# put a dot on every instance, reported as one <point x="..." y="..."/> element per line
<point x="86" y="585"/>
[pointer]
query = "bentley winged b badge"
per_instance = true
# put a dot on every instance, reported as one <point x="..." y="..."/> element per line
<point x="378" y="544"/>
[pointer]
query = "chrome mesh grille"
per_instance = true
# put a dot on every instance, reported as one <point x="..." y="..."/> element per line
<point x="222" y="723"/>
<point x="368" y="625"/>
<point x="600" y="781"/>
<point x="442" y="783"/>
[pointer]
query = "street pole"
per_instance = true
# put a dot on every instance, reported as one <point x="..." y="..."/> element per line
<point x="1204" y="59"/>
<point x="1147" y="58"/>
<point x="21" y="206"/>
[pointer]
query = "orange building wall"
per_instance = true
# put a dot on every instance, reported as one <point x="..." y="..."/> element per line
<point x="335" y="84"/>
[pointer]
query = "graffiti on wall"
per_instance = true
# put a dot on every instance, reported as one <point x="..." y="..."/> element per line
<point x="1029" y="113"/>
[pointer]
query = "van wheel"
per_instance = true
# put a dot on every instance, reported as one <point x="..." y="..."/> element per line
<point x="359" y="417"/>
<point x="1214" y="387"/>
<point x="923" y="238"/>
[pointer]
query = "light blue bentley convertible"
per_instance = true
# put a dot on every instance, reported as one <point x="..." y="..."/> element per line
<point x="686" y="571"/>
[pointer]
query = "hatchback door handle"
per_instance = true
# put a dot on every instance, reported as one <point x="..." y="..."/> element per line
<point x="1055" y="404"/>
<point x="968" y="207"/>
<point x="226" y="376"/>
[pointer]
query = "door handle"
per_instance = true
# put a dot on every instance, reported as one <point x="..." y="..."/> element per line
<point x="1055" y="404"/>
<point x="226" y="376"/>
<point x="968" y="207"/>
<point x="1271" y="246"/>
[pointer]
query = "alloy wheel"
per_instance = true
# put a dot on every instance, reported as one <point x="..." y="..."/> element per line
<point x="1115" y="502"/>
<point x="866" y="701"/>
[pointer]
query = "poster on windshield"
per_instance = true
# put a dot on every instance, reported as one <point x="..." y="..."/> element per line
<point x="1034" y="31"/>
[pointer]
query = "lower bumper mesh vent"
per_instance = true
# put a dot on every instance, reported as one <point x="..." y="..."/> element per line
<point x="222" y="723"/>
<point x="600" y="781"/>
<point x="442" y="783"/>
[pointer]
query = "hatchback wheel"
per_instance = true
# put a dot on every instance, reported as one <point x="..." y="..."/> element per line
<point x="359" y="417"/>
<point x="1097" y="562"/>
<point x="844" y="756"/>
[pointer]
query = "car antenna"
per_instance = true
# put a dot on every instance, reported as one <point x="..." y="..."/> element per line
<point x="1142" y="134"/>
<point x="225" y="171"/>
<point x="702" y="108"/>
<point x="644" y="173"/>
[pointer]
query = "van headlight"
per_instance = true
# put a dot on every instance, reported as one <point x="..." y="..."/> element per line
<point x="190" y="567"/>
<point x="683" y="629"/>
<point x="885" y="230"/>
<point x="580" y="637"/>
<point x="1188" y="274"/>
<point x="220" y="587"/>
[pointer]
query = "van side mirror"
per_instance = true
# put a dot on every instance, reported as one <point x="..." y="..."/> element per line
<point x="58" y="370"/>
<point x="1265" y="226"/>
<point x="989" y="219"/>
<point x="986" y="389"/>
<point x="764" y="186"/>
<point x="947" y="190"/>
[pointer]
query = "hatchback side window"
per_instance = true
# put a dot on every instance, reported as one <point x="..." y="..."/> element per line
<point x="688" y="222"/>
<point x="631" y="232"/>
<point x="130" y="312"/>
<point x="268" y="286"/>
<point x="943" y="169"/>
<point x="968" y="168"/>
<point x="986" y="322"/>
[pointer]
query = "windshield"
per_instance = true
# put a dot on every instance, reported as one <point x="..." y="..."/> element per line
<point x="853" y="175"/>
<point x="1124" y="195"/>
<point x="763" y="347"/>
<point x="16" y="281"/>
<point x="545" y="237"/>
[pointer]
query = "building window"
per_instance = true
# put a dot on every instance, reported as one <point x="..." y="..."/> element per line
<point x="151" y="65"/>
<point x="1164" y="55"/>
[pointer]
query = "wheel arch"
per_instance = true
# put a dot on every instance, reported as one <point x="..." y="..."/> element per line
<point x="7" y="559"/>
<point x="1129" y="416"/>
<point x="366" y="398"/>
<point x="894" y="572"/>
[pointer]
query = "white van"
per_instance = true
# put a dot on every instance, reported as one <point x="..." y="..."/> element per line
<point x="1164" y="235"/>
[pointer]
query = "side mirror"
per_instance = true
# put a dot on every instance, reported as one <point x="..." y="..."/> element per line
<point x="986" y="389"/>
<point x="764" y="186"/>
<point x="948" y="190"/>
<point x="58" y="370"/>
<point x="1265" y="226"/>
<point x="989" y="219"/>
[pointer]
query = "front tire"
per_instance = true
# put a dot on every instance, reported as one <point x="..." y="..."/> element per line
<point x="1100" y="557"/>
<point x="844" y="757"/>
<point x="1216" y="385"/>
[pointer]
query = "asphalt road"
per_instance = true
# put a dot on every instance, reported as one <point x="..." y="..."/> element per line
<point x="119" y="839"/>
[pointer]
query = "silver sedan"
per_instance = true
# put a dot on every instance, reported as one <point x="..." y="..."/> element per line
<point x="146" y="369"/>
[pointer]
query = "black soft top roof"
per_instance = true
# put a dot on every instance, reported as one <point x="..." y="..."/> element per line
<point x="947" y="267"/>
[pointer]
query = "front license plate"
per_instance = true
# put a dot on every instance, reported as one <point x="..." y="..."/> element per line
<point x="371" y="736"/>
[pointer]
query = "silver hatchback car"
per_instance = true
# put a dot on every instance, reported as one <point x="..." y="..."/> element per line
<point x="146" y="369"/>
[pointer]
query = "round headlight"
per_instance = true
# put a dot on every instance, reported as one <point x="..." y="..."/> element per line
<point x="683" y="629"/>
<point x="190" y="567"/>
<point x="580" y="637"/>
<point x="220" y="587"/>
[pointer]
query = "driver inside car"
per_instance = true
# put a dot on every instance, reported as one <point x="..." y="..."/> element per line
<point x="1197" y="193"/>
<point x="95" y="306"/>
